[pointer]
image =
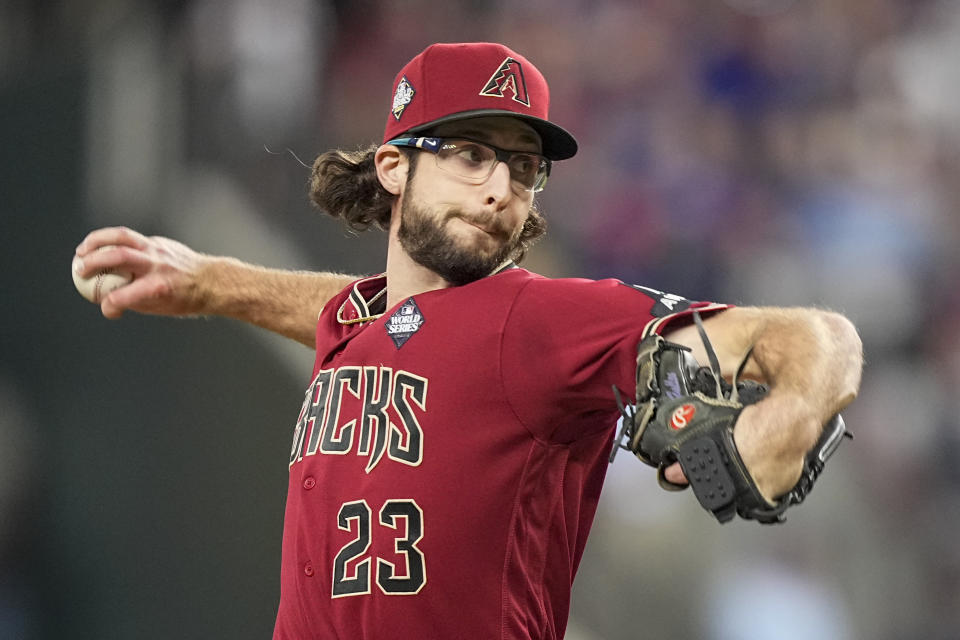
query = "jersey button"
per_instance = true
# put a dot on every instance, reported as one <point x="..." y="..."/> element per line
<point x="309" y="483"/>
<point x="308" y="569"/>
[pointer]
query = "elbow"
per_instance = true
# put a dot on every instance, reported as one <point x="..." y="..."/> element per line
<point x="848" y="353"/>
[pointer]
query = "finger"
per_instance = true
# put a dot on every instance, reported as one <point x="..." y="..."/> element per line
<point x="674" y="474"/>
<point x="122" y="236"/>
<point x="140" y="295"/>
<point x="116" y="258"/>
<point x="110" y="311"/>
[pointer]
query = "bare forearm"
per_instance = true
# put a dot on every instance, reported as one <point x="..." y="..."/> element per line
<point x="813" y="354"/>
<point x="812" y="361"/>
<point x="285" y="302"/>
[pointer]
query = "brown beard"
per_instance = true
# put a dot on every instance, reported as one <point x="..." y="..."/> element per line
<point x="427" y="241"/>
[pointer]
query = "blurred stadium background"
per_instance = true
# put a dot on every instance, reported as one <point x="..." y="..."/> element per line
<point x="751" y="151"/>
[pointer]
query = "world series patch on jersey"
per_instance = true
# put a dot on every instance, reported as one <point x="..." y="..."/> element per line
<point x="449" y="455"/>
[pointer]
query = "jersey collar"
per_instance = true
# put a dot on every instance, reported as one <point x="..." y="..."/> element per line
<point x="368" y="297"/>
<point x="367" y="301"/>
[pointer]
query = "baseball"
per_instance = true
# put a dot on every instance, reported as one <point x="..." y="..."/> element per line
<point x="98" y="286"/>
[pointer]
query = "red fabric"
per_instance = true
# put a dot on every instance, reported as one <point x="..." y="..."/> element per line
<point x="500" y="414"/>
<point x="467" y="78"/>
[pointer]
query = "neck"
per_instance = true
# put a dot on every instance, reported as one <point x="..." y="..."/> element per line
<point x="405" y="277"/>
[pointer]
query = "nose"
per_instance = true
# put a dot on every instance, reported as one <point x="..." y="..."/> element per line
<point x="499" y="186"/>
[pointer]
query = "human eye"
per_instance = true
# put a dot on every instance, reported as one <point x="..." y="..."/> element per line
<point x="470" y="152"/>
<point x="524" y="165"/>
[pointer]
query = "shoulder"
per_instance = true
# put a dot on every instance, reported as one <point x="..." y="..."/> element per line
<point x="609" y="293"/>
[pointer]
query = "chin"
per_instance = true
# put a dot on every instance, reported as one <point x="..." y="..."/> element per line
<point x="486" y="245"/>
<point x="454" y="249"/>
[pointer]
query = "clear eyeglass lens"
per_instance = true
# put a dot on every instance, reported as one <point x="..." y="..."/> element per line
<point x="476" y="161"/>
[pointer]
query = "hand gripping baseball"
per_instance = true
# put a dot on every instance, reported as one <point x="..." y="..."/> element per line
<point x="164" y="273"/>
<point x="686" y="413"/>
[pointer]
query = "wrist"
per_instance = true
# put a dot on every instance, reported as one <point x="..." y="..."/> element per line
<point x="212" y="290"/>
<point x="228" y="287"/>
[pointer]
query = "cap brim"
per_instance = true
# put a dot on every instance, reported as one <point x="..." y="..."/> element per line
<point x="558" y="144"/>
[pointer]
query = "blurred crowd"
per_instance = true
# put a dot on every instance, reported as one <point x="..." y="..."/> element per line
<point x="787" y="152"/>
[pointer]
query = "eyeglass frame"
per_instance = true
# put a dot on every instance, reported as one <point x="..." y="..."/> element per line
<point x="434" y="145"/>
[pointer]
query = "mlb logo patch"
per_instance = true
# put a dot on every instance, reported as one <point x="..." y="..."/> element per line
<point x="404" y="322"/>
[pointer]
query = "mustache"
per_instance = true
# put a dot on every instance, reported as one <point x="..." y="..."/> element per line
<point x="489" y="222"/>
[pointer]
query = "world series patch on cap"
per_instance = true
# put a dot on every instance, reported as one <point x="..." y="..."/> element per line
<point x="448" y="82"/>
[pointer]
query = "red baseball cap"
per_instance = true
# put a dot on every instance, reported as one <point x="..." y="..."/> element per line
<point x="448" y="82"/>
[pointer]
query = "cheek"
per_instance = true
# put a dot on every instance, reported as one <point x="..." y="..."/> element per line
<point x="431" y="202"/>
<point x="518" y="215"/>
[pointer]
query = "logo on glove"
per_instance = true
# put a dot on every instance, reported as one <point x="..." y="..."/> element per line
<point x="682" y="416"/>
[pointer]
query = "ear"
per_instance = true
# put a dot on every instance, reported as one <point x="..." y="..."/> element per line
<point x="392" y="167"/>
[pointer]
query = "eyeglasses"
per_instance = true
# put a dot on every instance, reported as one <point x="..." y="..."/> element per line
<point x="475" y="160"/>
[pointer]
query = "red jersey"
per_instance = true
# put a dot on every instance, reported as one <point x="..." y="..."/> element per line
<point x="448" y="459"/>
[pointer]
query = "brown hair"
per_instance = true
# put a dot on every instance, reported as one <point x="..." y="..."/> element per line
<point x="344" y="185"/>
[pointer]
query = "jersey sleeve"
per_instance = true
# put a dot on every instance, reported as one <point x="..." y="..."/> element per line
<point x="568" y="342"/>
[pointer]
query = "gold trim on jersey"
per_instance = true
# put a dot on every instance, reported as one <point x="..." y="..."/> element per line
<point x="504" y="266"/>
<point x="363" y="307"/>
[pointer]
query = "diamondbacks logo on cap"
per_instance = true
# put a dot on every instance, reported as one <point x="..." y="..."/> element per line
<point x="404" y="322"/>
<point x="508" y="77"/>
<point x="402" y="97"/>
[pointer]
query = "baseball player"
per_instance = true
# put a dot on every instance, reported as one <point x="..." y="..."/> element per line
<point x="447" y="460"/>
